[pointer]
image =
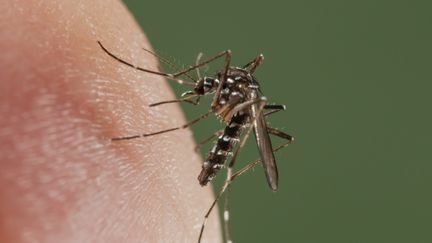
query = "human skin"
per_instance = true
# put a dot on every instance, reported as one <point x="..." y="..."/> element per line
<point x="61" y="100"/>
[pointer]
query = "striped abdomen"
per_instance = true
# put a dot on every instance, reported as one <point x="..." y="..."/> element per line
<point x="222" y="148"/>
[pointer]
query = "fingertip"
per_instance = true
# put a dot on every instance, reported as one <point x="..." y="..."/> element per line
<point x="62" y="100"/>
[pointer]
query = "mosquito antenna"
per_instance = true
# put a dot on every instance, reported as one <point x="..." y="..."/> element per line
<point x="167" y="62"/>
<point x="167" y="75"/>
<point x="197" y="62"/>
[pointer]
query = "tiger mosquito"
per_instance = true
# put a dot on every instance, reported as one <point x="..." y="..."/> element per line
<point x="238" y="102"/>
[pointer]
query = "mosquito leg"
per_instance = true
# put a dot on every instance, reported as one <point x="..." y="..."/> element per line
<point x="248" y="64"/>
<point x="214" y="135"/>
<point x="167" y="75"/>
<point x="224" y="53"/>
<point x="215" y="100"/>
<point x="243" y="105"/>
<point x="252" y="65"/>
<point x="230" y="169"/>
<point x="172" y="65"/>
<point x="186" y="99"/>
<point x="274" y="109"/>
<point x="280" y="134"/>
<point x="272" y="131"/>
<point x="232" y="162"/>
<point x="164" y="131"/>
<point x="224" y="187"/>
<point x="256" y="162"/>
<point x="226" y="215"/>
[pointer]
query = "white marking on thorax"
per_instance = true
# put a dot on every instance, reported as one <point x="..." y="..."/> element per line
<point x="224" y="153"/>
<point x="225" y="91"/>
<point x="221" y="152"/>
<point x="218" y="166"/>
<point x="235" y="93"/>
<point x="233" y="125"/>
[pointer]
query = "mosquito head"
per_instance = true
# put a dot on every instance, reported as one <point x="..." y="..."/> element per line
<point x="206" y="85"/>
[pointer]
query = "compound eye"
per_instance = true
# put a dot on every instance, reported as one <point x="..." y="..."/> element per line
<point x="208" y="83"/>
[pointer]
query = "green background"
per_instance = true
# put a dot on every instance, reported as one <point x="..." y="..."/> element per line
<point x="356" y="78"/>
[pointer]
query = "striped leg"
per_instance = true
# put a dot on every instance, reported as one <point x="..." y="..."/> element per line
<point x="186" y="99"/>
<point x="252" y="65"/>
<point x="272" y="131"/>
<point x="273" y="109"/>
<point x="232" y="177"/>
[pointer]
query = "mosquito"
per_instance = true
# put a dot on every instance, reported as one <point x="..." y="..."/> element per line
<point x="239" y="103"/>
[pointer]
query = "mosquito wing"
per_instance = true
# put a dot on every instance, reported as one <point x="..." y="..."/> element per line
<point x="265" y="148"/>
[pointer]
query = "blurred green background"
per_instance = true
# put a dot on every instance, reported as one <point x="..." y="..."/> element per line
<point x="356" y="78"/>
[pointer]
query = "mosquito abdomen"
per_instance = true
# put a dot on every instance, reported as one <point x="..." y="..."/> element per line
<point x="223" y="147"/>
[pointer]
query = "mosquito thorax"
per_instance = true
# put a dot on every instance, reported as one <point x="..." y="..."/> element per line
<point x="240" y="79"/>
